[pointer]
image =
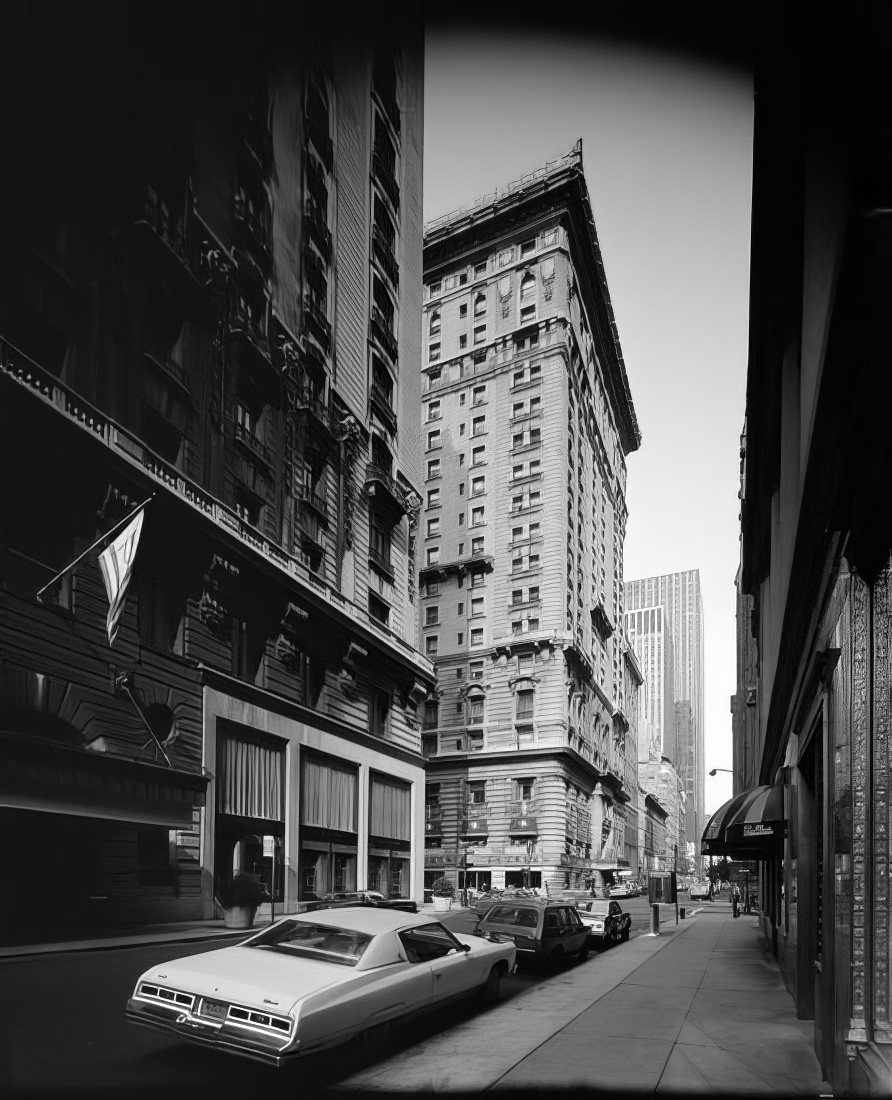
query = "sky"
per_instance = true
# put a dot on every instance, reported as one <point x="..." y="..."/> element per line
<point x="667" y="155"/>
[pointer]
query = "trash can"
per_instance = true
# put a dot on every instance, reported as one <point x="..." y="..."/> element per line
<point x="681" y="912"/>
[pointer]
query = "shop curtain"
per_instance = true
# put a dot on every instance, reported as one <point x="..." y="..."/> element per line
<point x="249" y="780"/>
<point x="328" y="798"/>
<point x="389" y="815"/>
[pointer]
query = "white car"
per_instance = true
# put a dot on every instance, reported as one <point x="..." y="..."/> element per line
<point x="314" y="980"/>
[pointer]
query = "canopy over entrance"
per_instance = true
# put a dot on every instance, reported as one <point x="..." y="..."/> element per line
<point x="748" y="825"/>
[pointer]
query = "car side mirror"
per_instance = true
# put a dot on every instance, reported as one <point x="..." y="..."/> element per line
<point x="466" y="947"/>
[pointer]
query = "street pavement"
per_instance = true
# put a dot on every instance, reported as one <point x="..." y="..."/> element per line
<point x="700" y="1007"/>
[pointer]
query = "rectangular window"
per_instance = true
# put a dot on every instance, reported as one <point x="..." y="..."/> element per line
<point x="478" y="456"/>
<point x="433" y="410"/>
<point x="434" y="288"/>
<point x="463" y="340"/>
<point x="431" y="616"/>
<point x="480" y="334"/>
<point x="505" y="257"/>
<point x="524" y="705"/>
<point x="431" y="645"/>
<point x="535" y="435"/>
<point x="478" y="605"/>
<point x="478" y="395"/>
<point x="460" y="638"/>
<point x="477" y="636"/>
<point x="433" y="353"/>
<point x="433" y="555"/>
<point x="478" y="425"/>
<point x="433" y="526"/>
<point x="477" y="545"/>
<point x="478" y="485"/>
<point x="516" y="596"/>
<point x="477" y="516"/>
<point x="433" y="468"/>
<point x="433" y="378"/>
<point x="479" y="269"/>
<point x="433" y="439"/>
<point x="478" y="580"/>
<point x="475" y="670"/>
<point x="432" y="588"/>
<point x="433" y="497"/>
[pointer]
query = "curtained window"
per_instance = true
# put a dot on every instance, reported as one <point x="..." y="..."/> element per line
<point x="328" y="796"/>
<point x="389" y="814"/>
<point x="249" y="779"/>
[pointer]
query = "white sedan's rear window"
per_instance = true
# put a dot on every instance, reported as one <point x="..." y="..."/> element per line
<point x="318" y="941"/>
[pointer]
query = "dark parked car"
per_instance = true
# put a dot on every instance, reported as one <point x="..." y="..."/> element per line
<point x="540" y="928"/>
<point x="606" y="921"/>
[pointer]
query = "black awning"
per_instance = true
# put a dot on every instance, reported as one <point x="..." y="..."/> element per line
<point x="748" y="825"/>
<point x="38" y="775"/>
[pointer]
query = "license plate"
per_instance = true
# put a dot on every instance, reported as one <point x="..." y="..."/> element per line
<point x="214" y="1010"/>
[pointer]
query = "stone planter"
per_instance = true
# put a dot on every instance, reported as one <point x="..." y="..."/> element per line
<point x="442" y="905"/>
<point x="239" y="916"/>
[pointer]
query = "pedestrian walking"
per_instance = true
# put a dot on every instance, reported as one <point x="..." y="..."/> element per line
<point x="735" y="900"/>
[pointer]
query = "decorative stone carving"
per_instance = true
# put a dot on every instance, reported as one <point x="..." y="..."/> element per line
<point x="349" y="435"/>
<point x="212" y="606"/>
<point x="413" y="504"/>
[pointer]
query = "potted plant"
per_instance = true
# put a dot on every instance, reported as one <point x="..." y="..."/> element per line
<point x="239" y="896"/>
<point x="443" y="892"/>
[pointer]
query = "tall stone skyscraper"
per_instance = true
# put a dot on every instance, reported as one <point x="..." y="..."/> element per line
<point x="677" y="596"/>
<point x="528" y="420"/>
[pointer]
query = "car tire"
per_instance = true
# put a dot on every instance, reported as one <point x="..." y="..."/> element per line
<point x="492" y="987"/>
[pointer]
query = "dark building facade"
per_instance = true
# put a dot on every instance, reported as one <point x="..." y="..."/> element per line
<point x="811" y="713"/>
<point x="209" y="299"/>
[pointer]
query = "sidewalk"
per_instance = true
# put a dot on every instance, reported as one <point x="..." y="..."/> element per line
<point x="700" y="1008"/>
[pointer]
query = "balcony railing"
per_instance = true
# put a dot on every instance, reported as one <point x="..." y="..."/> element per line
<point x="382" y="332"/>
<point x="252" y="444"/>
<point x="522" y="817"/>
<point x="380" y="483"/>
<point x="315" y="501"/>
<point x="474" y="818"/>
<point x="316" y="227"/>
<point x="382" y="563"/>
<point x="175" y="236"/>
<point x="385" y="176"/>
<point x="383" y="400"/>
<point x="383" y="251"/>
<point x="315" y="319"/>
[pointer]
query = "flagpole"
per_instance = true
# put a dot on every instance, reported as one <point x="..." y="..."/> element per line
<point x="102" y="538"/>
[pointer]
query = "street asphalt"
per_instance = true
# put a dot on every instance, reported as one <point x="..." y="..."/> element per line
<point x="699" y="1007"/>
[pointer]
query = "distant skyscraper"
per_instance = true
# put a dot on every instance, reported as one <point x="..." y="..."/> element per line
<point x="678" y="595"/>
<point x="650" y="635"/>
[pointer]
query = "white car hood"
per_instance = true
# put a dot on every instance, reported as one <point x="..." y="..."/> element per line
<point x="252" y="976"/>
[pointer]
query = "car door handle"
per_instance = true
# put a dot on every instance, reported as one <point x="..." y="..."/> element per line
<point x="438" y="975"/>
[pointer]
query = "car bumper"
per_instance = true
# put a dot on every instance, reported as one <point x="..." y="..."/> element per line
<point x="183" y="1025"/>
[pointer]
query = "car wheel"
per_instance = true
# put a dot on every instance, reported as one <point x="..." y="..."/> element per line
<point x="492" y="987"/>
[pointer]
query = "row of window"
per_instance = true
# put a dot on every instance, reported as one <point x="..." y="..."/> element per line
<point x="525" y="595"/>
<point x="523" y="376"/>
<point x="503" y="258"/>
<point x="473" y="708"/>
<point x="519" y="627"/>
